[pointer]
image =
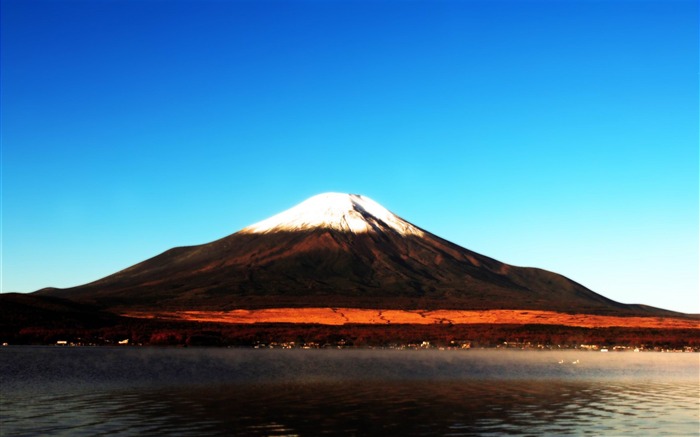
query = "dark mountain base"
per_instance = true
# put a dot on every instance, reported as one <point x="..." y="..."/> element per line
<point x="25" y="310"/>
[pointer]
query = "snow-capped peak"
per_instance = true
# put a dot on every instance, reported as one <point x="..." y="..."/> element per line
<point x="343" y="212"/>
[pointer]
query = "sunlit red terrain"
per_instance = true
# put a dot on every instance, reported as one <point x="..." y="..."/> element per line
<point x="341" y="316"/>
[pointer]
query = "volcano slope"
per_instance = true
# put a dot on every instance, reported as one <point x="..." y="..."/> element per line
<point x="337" y="251"/>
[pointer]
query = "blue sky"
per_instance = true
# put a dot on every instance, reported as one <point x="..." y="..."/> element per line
<point x="555" y="134"/>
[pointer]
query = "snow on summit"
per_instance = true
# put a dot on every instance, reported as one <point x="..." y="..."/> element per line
<point x="343" y="212"/>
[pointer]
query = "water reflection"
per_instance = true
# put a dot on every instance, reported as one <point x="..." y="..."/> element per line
<point x="434" y="396"/>
<point x="349" y="408"/>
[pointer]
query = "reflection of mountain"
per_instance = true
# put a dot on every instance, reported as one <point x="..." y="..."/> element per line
<point x="336" y="250"/>
<point x="467" y="406"/>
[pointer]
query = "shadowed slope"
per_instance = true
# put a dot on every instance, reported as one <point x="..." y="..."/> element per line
<point x="26" y="310"/>
<point x="325" y="267"/>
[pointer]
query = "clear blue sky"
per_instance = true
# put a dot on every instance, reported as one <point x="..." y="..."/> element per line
<point x="555" y="134"/>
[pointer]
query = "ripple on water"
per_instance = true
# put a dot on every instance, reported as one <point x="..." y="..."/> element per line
<point x="448" y="401"/>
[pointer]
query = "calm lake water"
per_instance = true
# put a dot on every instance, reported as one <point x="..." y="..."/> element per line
<point x="151" y="391"/>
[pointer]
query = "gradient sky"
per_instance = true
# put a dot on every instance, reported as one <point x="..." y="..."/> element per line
<point x="555" y="134"/>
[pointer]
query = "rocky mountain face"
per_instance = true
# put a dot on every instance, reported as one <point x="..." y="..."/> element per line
<point x="336" y="250"/>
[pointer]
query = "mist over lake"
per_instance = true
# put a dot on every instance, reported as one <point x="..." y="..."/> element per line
<point x="176" y="391"/>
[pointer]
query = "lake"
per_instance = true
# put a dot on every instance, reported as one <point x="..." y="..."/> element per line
<point x="191" y="391"/>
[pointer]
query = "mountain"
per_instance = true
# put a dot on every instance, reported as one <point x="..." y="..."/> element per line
<point x="336" y="250"/>
<point x="27" y="310"/>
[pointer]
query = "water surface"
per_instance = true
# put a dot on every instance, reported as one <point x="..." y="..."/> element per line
<point x="137" y="391"/>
